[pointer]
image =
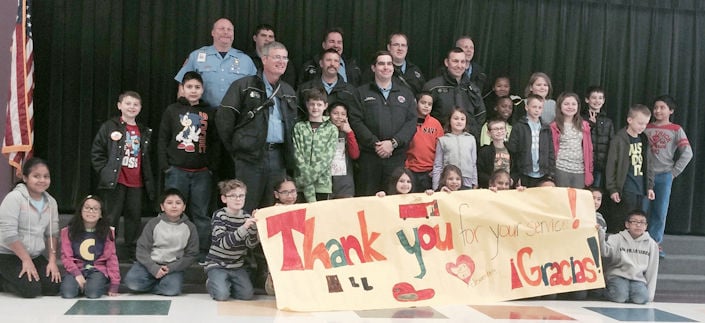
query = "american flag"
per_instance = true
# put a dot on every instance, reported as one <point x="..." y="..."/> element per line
<point x="19" y="123"/>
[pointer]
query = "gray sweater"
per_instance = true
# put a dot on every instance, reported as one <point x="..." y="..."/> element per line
<point x="163" y="242"/>
<point x="20" y="221"/>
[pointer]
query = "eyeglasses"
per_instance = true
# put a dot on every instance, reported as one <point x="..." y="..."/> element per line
<point x="236" y="196"/>
<point x="634" y="222"/>
<point x="279" y="58"/>
<point x="498" y="129"/>
<point x="289" y="192"/>
<point x="91" y="209"/>
<point x="398" y="45"/>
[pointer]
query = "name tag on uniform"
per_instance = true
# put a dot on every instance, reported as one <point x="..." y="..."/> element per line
<point x="201" y="57"/>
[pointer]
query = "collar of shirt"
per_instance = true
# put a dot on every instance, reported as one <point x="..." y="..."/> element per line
<point x="402" y="68"/>
<point x="328" y="87"/>
<point x="386" y="91"/>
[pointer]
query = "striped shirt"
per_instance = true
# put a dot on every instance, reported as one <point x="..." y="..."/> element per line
<point x="230" y="240"/>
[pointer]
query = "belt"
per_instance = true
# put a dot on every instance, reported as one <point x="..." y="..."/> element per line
<point x="273" y="145"/>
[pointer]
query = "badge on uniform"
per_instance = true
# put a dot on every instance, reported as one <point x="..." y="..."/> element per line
<point x="417" y="74"/>
<point x="201" y="57"/>
<point x="401" y="99"/>
<point x="254" y="94"/>
<point x="116" y="135"/>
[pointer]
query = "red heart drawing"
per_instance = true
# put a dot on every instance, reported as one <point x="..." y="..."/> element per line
<point x="463" y="268"/>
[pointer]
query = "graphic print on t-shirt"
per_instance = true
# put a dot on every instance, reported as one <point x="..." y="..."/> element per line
<point x="132" y="148"/>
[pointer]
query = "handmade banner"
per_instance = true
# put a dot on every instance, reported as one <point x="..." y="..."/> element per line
<point x="464" y="247"/>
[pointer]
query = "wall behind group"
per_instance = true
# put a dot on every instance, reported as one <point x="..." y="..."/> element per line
<point x="88" y="51"/>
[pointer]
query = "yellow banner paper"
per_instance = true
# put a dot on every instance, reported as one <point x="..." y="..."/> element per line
<point x="465" y="247"/>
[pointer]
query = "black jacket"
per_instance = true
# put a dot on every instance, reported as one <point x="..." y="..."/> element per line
<point x="412" y="77"/>
<point x="485" y="164"/>
<point x="602" y="132"/>
<point x="342" y="92"/>
<point x="312" y="70"/>
<point x="243" y="129"/>
<point x="519" y="146"/>
<point x="379" y="119"/>
<point x="107" y="153"/>
<point x="447" y="93"/>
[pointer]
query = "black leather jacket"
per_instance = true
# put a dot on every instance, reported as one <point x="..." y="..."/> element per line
<point x="107" y="153"/>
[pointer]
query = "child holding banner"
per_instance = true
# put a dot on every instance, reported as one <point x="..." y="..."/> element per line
<point x="234" y="231"/>
<point x="451" y="179"/>
<point x="633" y="260"/>
<point x="400" y="182"/>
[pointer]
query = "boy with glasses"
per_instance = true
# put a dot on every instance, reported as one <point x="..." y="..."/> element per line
<point x="631" y="261"/>
<point x="494" y="156"/>
<point x="234" y="231"/>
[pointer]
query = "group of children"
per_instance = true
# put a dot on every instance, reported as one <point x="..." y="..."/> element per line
<point x="552" y="142"/>
<point x="168" y="244"/>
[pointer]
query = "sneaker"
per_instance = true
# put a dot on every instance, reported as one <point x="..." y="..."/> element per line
<point x="202" y="261"/>
<point x="269" y="285"/>
<point x="661" y="254"/>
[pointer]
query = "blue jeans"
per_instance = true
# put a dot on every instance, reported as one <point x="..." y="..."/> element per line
<point x="140" y="280"/>
<point x="223" y="283"/>
<point x="96" y="284"/>
<point x="621" y="290"/>
<point x="598" y="179"/>
<point x="658" y="210"/>
<point x="196" y="188"/>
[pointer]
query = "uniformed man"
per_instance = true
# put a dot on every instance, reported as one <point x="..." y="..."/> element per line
<point x="255" y="121"/>
<point x="331" y="81"/>
<point x="384" y="124"/>
<point x="349" y="70"/>
<point x="219" y="64"/>
<point x="454" y="89"/>
<point x="405" y="71"/>
<point x="263" y="35"/>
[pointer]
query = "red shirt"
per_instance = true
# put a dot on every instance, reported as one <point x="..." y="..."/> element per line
<point x="131" y="170"/>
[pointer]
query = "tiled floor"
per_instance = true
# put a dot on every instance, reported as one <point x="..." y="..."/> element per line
<point x="199" y="308"/>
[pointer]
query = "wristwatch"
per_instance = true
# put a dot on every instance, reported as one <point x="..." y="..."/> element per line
<point x="395" y="144"/>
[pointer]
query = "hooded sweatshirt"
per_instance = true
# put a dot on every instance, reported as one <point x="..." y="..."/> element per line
<point x="631" y="258"/>
<point x="20" y="221"/>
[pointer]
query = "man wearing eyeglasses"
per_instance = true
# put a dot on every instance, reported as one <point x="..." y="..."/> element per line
<point x="219" y="64"/>
<point x="263" y="35"/>
<point x="255" y="122"/>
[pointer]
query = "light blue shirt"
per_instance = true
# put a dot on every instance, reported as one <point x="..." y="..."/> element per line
<point x="327" y="87"/>
<point x="385" y="92"/>
<point x="218" y="72"/>
<point x="469" y="70"/>
<point x="341" y="70"/>
<point x="275" y="127"/>
<point x="402" y="68"/>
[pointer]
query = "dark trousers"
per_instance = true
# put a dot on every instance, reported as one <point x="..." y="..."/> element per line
<point x="126" y="202"/>
<point x="422" y="181"/>
<point x="10" y="267"/>
<point x="375" y="171"/>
